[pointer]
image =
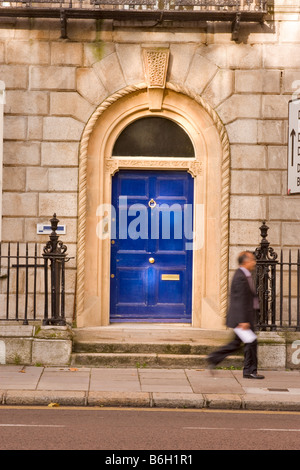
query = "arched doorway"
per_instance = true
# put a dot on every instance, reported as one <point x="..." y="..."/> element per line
<point x="207" y="165"/>
<point x="151" y="236"/>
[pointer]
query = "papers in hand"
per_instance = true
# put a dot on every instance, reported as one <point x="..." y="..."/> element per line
<point x="247" y="336"/>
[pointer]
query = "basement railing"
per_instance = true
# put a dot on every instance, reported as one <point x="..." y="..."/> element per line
<point x="32" y="286"/>
<point x="234" y="11"/>
<point x="278" y="286"/>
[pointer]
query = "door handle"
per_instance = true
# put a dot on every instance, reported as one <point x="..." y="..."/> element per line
<point x="151" y="260"/>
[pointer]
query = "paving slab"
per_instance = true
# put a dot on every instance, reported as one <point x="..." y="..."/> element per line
<point x="180" y="388"/>
<point x="115" y="380"/>
<point x="218" y="381"/>
<point x="19" y="377"/>
<point x="164" y="380"/>
<point x="55" y="378"/>
<point x="268" y="391"/>
<point x="270" y="375"/>
<point x="279" y="380"/>
<point x="177" y="373"/>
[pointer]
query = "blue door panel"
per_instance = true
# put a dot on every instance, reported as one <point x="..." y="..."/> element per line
<point x="133" y="186"/>
<point x="131" y="286"/>
<point x="172" y="290"/>
<point x="141" y="291"/>
<point x="170" y="187"/>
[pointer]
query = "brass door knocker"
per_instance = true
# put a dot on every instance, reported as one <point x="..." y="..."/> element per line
<point x="152" y="203"/>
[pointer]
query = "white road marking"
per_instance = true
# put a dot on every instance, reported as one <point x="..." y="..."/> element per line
<point x="242" y="429"/>
<point x="33" y="425"/>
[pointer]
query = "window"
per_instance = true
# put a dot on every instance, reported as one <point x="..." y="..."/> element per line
<point x="153" y="137"/>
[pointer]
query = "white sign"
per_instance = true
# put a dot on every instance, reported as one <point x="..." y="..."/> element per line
<point x="43" y="229"/>
<point x="294" y="147"/>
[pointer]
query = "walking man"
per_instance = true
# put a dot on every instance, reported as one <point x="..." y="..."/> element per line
<point x="241" y="315"/>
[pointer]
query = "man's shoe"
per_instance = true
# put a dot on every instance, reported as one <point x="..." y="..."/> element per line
<point x="253" y="376"/>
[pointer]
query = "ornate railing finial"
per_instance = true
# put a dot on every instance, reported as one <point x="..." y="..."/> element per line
<point x="54" y="222"/>
<point x="54" y="246"/>
<point x="264" y="252"/>
<point x="263" y="229"/>
<point x="55" y="253"/>
<point x="266" y="280"/>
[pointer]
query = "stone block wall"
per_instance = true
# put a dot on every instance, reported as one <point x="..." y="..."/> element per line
<point x="54" y="85"/>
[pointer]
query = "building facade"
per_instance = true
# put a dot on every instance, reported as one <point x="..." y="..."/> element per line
<point x="145" y="113"/>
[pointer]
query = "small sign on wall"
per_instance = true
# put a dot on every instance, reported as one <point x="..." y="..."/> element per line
<point x="45" y="229"/>
<point x="294" y="147"/>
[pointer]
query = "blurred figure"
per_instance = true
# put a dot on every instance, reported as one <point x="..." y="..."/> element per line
<point x="241" y="317"/>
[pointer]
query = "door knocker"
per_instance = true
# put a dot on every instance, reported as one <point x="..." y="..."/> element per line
<point x="152" y="203"/>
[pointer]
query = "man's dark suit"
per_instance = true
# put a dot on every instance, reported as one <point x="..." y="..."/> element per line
<point x="240" y="311"/>
<point x="241" y="301"/>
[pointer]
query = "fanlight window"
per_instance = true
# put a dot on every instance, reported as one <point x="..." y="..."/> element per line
<point x="153" y="137"/>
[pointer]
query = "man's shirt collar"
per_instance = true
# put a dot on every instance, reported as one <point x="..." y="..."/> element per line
<point x="245" y="271"/>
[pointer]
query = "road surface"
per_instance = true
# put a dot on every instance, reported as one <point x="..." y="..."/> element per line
<point x="146" y="429"/>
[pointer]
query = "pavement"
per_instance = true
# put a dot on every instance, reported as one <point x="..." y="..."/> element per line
<point x="145" y="387"/>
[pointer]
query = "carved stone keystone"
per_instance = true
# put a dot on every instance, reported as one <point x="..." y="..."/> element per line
<point x="155" y="66"/>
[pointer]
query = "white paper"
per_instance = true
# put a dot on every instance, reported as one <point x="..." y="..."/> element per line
<point x="247" y="336"/>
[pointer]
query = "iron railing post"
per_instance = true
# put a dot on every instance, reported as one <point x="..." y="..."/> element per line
<point x="55" y="251"/>
<point x="266" y="262"/>
<point x="298" y="291"/>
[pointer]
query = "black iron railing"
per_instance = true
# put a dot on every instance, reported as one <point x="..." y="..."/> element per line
<point x="32" y="286"/>
<point x="204" y="5"/>
<point x="278" y="286"/>
<point x="234" y="11"/>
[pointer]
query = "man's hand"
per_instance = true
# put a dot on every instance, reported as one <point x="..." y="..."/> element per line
<point x="244" y="326"/>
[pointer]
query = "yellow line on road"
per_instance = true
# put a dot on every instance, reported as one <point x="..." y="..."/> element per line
<point x="170" y="410"/>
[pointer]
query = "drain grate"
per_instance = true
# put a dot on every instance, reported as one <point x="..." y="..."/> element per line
<point x="278" y="389"/>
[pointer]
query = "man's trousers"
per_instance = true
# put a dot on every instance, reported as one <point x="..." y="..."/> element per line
<point x="250" y="354"/>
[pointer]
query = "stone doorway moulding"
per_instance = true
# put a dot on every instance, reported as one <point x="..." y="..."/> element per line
<point x="210" y="169"/>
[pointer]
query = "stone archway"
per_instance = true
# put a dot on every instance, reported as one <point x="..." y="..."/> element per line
<point x="211" y="170"/>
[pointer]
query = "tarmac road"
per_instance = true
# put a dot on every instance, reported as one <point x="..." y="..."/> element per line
<point x="117" y="429"/>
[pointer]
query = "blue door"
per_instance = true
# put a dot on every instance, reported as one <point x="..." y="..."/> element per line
<point x="151" y="252"/>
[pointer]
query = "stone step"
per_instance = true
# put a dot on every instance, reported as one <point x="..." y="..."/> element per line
<point x="156" y="348"/>
<point x="151" y="360"/>
<point x="138" y="333"/>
